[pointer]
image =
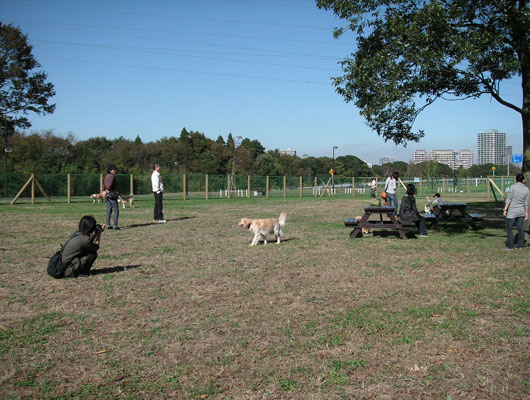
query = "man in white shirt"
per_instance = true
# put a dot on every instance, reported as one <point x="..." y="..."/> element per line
<point x="158" y="191"/>
<point x="390" y="189"/>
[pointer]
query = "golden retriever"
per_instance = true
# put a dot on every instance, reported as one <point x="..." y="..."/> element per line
<point x="263" y="227"/>
<point x="97" y="197"/>
<point x="126" y="199"/>
<point x="365" y="230"/>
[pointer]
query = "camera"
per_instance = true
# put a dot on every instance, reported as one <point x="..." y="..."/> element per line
<point x="99" y="228"/>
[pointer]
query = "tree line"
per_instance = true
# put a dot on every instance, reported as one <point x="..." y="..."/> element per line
<point x="193" y="152"/>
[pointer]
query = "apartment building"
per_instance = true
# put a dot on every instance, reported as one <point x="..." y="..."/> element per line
<point x="491" y="146"/>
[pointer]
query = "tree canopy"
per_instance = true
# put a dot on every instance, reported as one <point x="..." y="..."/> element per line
<point x="411" y="53"/>
<point x="23" y="87"/>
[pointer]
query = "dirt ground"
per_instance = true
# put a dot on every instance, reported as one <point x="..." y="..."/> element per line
<point x="188" y="310"/>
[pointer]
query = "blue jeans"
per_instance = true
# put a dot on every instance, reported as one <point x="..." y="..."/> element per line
<point x="519" y="222"/>
<point x="391" y="199"/>
<point x="112" y="205"/>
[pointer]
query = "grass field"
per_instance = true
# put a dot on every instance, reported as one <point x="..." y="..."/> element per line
<point x="187" y="310"/>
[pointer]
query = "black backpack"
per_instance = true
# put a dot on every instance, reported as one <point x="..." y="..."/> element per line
<point x="56" y="267"/>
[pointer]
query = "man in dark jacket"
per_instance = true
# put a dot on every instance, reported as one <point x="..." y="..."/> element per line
<point x="408" y="211"/>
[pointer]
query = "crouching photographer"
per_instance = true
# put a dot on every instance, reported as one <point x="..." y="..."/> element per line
<point x="81" y="250"/>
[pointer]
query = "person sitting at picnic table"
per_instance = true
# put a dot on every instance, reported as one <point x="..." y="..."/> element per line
<point x="433" y="206"/>
<point x="408" y="212"/>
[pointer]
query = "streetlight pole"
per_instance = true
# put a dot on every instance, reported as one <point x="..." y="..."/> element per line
<point x="333" y="174"/>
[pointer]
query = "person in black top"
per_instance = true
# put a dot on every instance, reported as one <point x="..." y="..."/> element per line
<point x="111" y="194"/>
<point x="408" y="211"/>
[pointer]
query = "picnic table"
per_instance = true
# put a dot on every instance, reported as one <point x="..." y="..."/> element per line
<point x="382" y="211"/>
<point x="452" y="212"/>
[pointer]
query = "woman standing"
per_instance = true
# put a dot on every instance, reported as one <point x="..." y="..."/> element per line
<point x="109" y="187"/>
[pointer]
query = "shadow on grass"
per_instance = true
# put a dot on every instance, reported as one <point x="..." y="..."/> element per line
<point x="113" y="270"/>
<point x="154" y="223"/>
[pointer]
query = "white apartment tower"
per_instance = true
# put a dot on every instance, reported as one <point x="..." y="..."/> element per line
<point x="492" y="147"/>
<point x="447" y="157"/>
<point x="465" y="159"/>
<point x="420" y="156"/>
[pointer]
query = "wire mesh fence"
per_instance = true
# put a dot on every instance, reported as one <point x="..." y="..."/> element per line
<point x="232" y="186"/>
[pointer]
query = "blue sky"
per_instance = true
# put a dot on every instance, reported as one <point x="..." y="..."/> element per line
<point x="254" y="68"/>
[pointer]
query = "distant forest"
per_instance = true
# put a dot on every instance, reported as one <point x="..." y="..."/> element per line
<point x="47" y="153"/>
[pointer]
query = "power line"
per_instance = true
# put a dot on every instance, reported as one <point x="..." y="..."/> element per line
<point x="179" y="32"/>
<point x="231" y="21"/>
<point x="202" y="44"/>
<point x="184" y="71"/>
<point x="155" y="51"/>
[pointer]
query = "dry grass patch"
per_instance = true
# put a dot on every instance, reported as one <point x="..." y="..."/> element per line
<point x="188" y="310"/>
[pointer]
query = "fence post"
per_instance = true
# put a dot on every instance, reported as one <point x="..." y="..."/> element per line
<point x="301" y="186"/>
<point x="443" y="185"/>
<point x="284" y="186"/>
<point x="184" y="187"/>
<point x="206" y="185"/>
<point x="316" y="187"/>
<point x="248" y="186"/>
<point x="68" y="186"/>
<point x="268" y="186"/>
<point x="353" y="186"/>
<point x="421" y="185"/>
<point x="131" y="183"/>
<point x="100" y="183"/>
<point x="229" y="188"/>
<point x="502" y="183"/>
<point x="467" y="183"/>
<point x="32" y="188"/>
<point x="488" y="187"/>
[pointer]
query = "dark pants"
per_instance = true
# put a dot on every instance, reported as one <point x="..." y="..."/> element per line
<point x="519" y="222"/>
<point x="80" y="265"/>
<point x="392" y="200"/>
<point x="159" y="215"/>
<point x="421" y="226"/>
<point x="112" y="205"/>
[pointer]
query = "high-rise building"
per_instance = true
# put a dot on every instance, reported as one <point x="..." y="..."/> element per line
<point x="508" y="154"/>
<point x="465" y="159"/>
<point x="386" y="160"/>
<point x="447" y="157"/>
<point x="420" y="156"/>
<point x="491" y="147"/>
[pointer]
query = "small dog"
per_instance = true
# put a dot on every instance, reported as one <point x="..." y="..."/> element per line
<point x="127" y="199"/>
<point x="97" y="197"/>
<point x="365" y="230"/>
<point x="263" y="227"/>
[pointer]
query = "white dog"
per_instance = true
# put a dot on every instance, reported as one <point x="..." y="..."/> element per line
<point x="263" y="227"/>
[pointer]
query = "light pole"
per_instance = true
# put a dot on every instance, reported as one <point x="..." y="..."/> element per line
<point x="333" y="168"/>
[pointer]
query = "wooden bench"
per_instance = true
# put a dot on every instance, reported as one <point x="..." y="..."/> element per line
<point x="452" y="212"/>
<point x="382" y="211"/>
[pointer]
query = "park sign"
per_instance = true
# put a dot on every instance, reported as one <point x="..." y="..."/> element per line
<point x="517" y="158"/>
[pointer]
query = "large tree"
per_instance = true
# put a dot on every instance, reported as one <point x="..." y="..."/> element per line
<point x="412" y="52"/>
<point x="23" y="87"/>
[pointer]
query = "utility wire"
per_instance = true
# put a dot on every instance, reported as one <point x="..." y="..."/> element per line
<point x="184" y="71"/>
<point x="231" y="21"/>
<point x="283" y="40"/>
<point x="154" y="51"/>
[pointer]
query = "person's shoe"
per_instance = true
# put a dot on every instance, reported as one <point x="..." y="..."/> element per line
<point x="162" y="221"/>
<point x="110" y="227"/>
<point x="424" y="235"/>
<point x="117" y="228"/>
<point x="82" y="276"/>
<point x="508" y="248"/>
<point x="155" y="221"/>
